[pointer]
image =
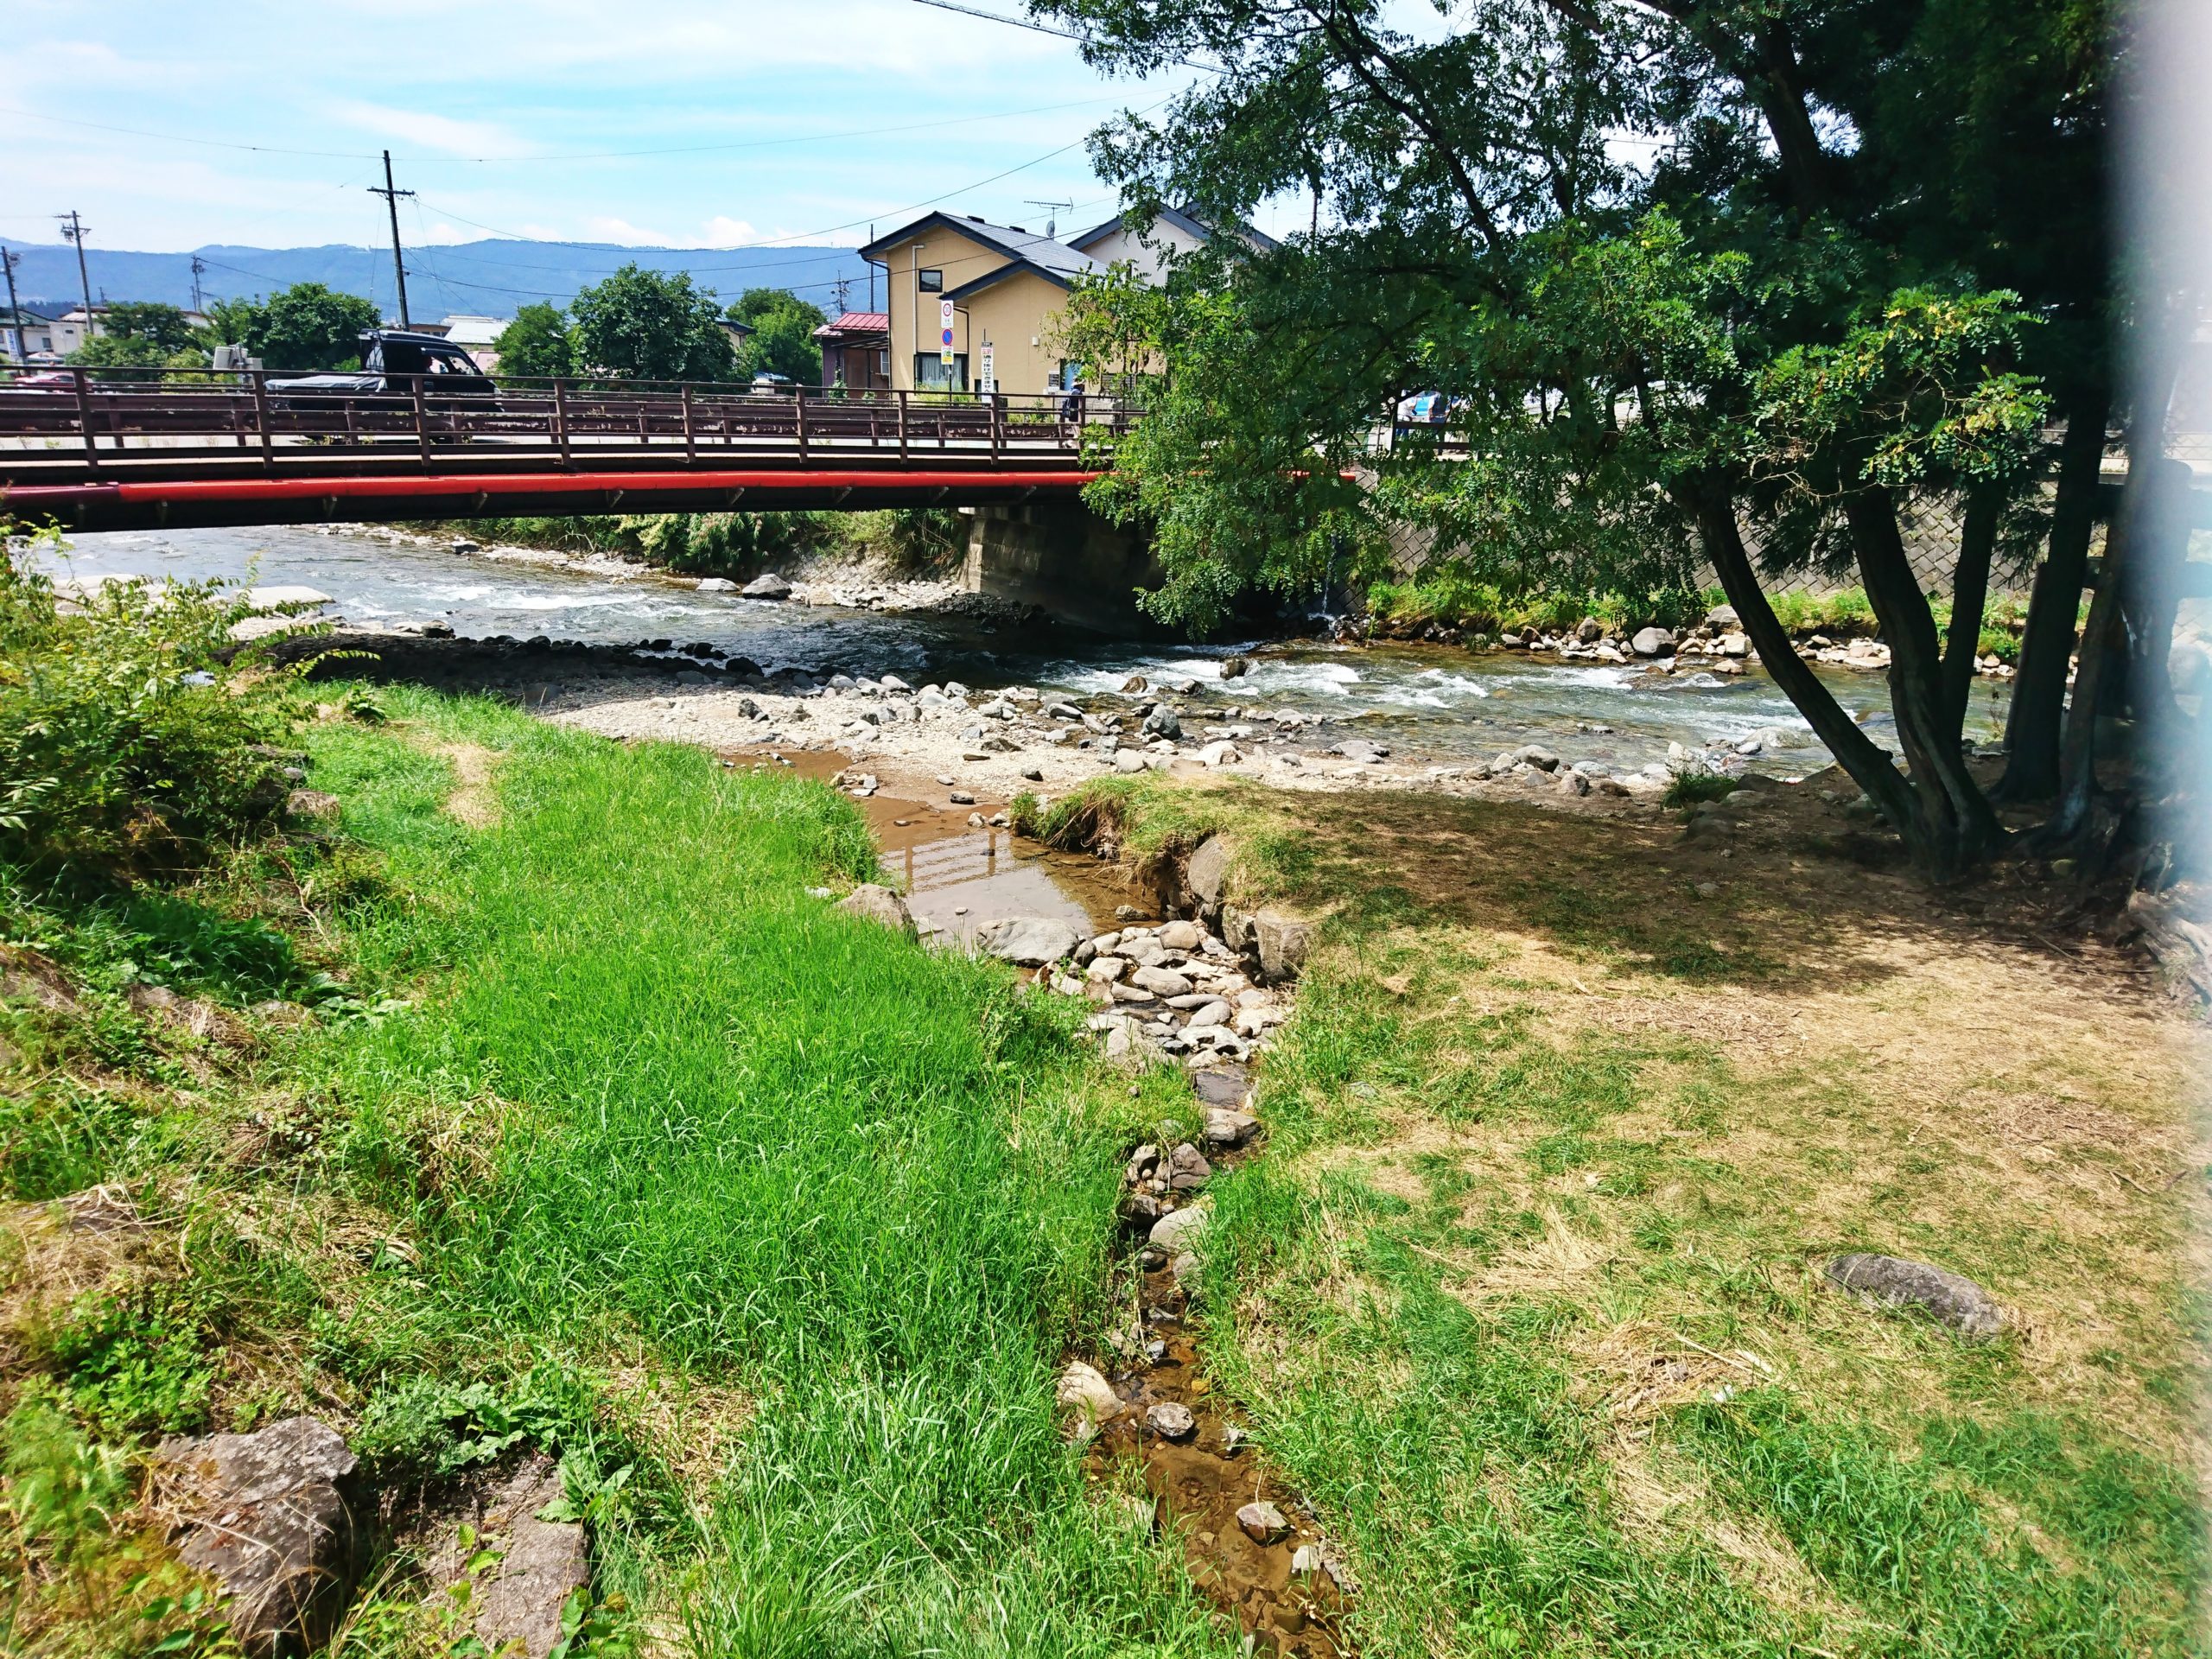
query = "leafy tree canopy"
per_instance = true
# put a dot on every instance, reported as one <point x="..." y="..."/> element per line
<point x="1680" y="268"/>
<point x="163" y="326"/>
<point x="641" y="325"/>
<point x="782" y="341"/>
<point x="306" y="325"/>
<point x="537" y="343"/>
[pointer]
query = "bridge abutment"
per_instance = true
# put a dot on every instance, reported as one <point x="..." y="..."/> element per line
<point x="1065" y="559"/>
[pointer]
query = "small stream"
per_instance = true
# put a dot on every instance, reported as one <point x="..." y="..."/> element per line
<point x="1429" y="702"/>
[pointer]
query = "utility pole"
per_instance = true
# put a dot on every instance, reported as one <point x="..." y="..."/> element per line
<point x="199" y="270"/>
<point x="15" y="311"/>
<point x="398" y="266"/>
<point x="844" y="290"/>
<point x="74" y="230"/>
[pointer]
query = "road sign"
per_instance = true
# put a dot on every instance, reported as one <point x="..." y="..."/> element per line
<point x="945" y="321"/>
<point x="987" y="381"/>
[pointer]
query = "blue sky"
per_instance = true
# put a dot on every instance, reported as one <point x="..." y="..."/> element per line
<point x="501" y="116"/>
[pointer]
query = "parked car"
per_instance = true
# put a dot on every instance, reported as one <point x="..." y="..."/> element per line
<point x="392" y="361"/>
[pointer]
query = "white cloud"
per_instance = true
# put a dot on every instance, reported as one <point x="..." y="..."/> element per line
<point x="600" y="229"/>
<point x="469" y="139"/>
<point x="723" y="232"/>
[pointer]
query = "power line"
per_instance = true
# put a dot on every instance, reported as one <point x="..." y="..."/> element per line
<point x="1036" y="28"/>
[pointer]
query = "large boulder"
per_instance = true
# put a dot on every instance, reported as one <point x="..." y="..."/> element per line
<point x="1162" y="721"/>
<point x="1652" y="642"/>
<point x="1205" y="875"/>
<point x="1892" y="1282"/>
<point x="269" y="1516"/>
<point x="1033" y="941"/>
<point x="769" y="586"/>
<point x="877" y="903"/>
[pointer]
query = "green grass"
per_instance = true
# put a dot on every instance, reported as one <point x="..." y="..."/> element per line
<point x="625" y="1096"/>
<point x="1468" y="1448"/>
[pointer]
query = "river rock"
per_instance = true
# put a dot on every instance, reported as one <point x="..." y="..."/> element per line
<point x="1160" y="981"/>
<point x="1142" y="1162"/>
<point x="1215" y="1013"/>
<point x="1188" y="1170"/>
<point x="1203" y="875"/>
<point x="1177" y="1228"/>
<point x="1228" y="1128"/>
<point x="269" y="1516"/>
<point x="766" y="586"/>
<point x="1179" y="936"/>
<point x="1263" y="1523"/>
<point x="1162" y="721"/>
<point x="1892" y="1282"/>
<point x="312" y="807"/>
<point x="1235" y="668"/>
<point x="1171" y="1421"/>
<point x="878" y="903"/>
<point x="1651" y="642"/>
<point x="1128" y="762"/>
<point x="1228" y="1086"/>
<point x="1083" y="1390"/>
<point x="1033" y="941"/>
<point x="1274" y="946"/>
<point x="1104" y="970"/>
<point x="1224" y="754"/>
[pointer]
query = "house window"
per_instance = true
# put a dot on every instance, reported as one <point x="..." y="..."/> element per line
<point x="932" y="282"/>
<point x="931" y="374"/>
<point x="883" y="363"/>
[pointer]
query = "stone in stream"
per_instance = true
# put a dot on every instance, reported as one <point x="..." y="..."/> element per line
<point x="1083" y="1390"/>
<point x="1227" y="1128"/>
<point x="1226" y="1086"/>
<point x="1171" y="1421"/>
<point x="1178" y="1227"/>
<point x="1214" y="1014"/>
<point x="1179" y="936"/>
<point x="1202" y="876"/>
<point x="1136" y="683"/>
<point x="768" y="586"/>
<point x="1234" y="668"/>
<point x="1033" y="941"/>
<point x="1188" y="1169"/>
<point x="1652" y="642"/>
<point x="1262" y="1522"/>
<point x="1104" y="970"/>
<point x="1892" y="1282"/>
<point x="878" y="903"/>
<point x="1162" y="721"/>
<point x="1160" y="981"/>
<point x="268" y="1516"/>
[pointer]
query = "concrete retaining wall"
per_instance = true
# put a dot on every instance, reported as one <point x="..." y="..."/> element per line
<point x="1065" y="559"/>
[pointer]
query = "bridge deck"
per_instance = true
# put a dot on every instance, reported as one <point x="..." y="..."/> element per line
<point x="210" y="447"/>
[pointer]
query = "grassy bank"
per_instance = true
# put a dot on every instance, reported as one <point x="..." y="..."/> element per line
<point x="1526" y="1296"/>
<point x="911" y="541"/>
<point x="599" y="1132"/>
<point x="1450" y="599"/>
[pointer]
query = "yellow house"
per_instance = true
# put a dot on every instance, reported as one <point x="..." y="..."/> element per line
<point x="997" y="292"/>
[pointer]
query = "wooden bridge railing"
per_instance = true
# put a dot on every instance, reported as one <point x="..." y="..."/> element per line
<point x="103" y="423"/>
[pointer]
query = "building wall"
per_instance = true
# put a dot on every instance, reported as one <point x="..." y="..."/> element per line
<point x="1019" y="317"/>
<point x="1121" y="243"/>
<point x="962" y="260"/>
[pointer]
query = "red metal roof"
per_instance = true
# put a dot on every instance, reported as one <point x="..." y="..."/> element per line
<point x="855" y="322"/>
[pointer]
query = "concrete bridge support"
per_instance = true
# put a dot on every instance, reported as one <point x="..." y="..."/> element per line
<point x="1065" y="559"/>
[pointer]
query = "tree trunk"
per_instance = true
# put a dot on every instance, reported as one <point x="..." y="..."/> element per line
<point x="1951" y="826"/>
<point x="1969" y="592"/>
<point x="2038" y="713"/>
<point x="1862" y="759"/>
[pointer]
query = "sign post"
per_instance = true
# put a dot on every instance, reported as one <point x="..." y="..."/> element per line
<point x="944" y="323"/>
<point x="987" y="380"/>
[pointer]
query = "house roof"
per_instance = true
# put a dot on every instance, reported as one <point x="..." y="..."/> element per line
<point x="1184" y="220"/>
<point x="1055" y="262"/>
<point x="849" y="324"/>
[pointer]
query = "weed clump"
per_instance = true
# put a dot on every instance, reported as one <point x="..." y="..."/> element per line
<point x="1689" y="787"/>
<point x="128" y="729"/>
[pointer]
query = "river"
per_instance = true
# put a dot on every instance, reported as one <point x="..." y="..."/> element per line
<point x="1440" y="703"/>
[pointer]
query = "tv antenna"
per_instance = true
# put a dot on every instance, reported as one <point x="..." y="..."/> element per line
<point x="1055" y="208"/>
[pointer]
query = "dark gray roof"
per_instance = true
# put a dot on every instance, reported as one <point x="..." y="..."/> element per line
<point x="1055" y="261"/>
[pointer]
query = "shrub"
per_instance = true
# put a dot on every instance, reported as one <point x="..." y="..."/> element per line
<point x="137" y="1363"/>
<point x="1688" y="788"/>
<point x="127" y="733"/>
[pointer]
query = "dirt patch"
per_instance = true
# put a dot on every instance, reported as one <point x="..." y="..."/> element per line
<point x="476" y="798"/>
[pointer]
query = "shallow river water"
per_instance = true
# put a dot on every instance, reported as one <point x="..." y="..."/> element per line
<point x="1437" y="703"/>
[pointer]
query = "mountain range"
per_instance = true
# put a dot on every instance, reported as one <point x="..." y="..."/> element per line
<point x="487" y="278"/>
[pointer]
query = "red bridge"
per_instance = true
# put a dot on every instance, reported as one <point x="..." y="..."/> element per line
<point x="89" y="450"/>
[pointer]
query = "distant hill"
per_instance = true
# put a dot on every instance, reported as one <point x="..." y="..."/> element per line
<point x="488" y="278"/>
